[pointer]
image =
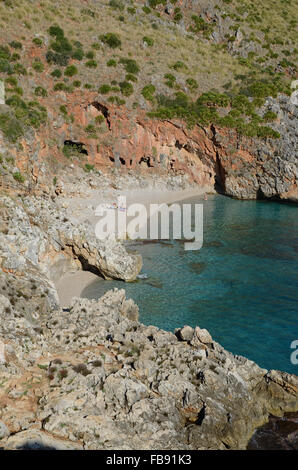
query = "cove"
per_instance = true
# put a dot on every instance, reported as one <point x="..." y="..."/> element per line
<point x="241" y="286"/>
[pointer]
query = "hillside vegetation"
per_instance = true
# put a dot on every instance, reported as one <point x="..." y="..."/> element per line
<point x="203" y="62"/>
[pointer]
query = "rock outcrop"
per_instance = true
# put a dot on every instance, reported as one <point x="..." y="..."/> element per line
<point x="241" y="167"/>
<point x="93" y="377"/>
<point x="37" y="236"/>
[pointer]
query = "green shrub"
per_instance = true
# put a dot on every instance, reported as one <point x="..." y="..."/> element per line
<point x="78" y="54"/>
<point x="204" y="112"/>
<point x="24" y="115"/>
<point x="270" y="116"/>
<point x="16" y="45"/>
<point x="214" y="98"/>
<point x="63" y="109"/>
<point x="88" y="167"/>
<point x="126" y="88"/>
<point x="154" y="3"/>
<point x="130" y="65"/>
<point x="179" y="65"/>
<point x="56" y="73"/>
<point x="77" y="83"/>
<point x="104" y="89"/>
<point x="11" y="127"/>
<point x="90" y="55"/>
<point x="129" y="77"/>
<point x="11" y="81"/>
<point x="199" y="25"/>
<point x="148" y="92"/>
<point x="70" y="71"/>
<point x="111" y="63"/>
<point x="261" y="90"/>
<point x="58" y="59"/>
<point x="192" y="83"/>
<point x="19" y="69"/>
<point x="18" y="90"/>
<point x="117" y="100"/>
<point x="56" y="31"/>
<point x="99" y="119"/>
<point x="177" y="15"/>
<point x="91" y="130"/>
<point x="149" y="41"/>
<point x="60" y="50"/>
<point x="4" y="53"/>
<point x="6" y="67"/>
<point x="91" y="64"/>
<point x="170" y="80"/>
<point x="38" y="66"/>
<point x="116" y="5"/>
<point x="15" y="56"/>
<point x="37" y="42"/>
<point x="40" y="91"/>
<point x="111" y="39"/>
<point x="62" y="46"/>
<point x="60" y="87"/>
<point x="243" y="104"/>
<point x="72" y="150"/>
<point x="18" y="177"/>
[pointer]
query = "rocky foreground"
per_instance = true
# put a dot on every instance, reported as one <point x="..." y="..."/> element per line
<point x="91" y="376"/>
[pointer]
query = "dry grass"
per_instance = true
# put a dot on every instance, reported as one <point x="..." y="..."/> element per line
<point x="204" y="63"/>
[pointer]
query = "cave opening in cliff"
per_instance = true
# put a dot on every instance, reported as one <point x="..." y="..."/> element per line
<point x="76" y="147"/>
<point x="178" y="145"/>
<point x="219" y="179"/>
<point x="104" y="110"/>
<point x="146" y="160"/>
<point x="88" y="267"/>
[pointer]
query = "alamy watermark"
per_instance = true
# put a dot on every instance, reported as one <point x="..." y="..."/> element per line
<point x="154" y="222"/>
<point x="2" y="92"/>
<point x="294" y="355"/>
<point x="294" y="95"/>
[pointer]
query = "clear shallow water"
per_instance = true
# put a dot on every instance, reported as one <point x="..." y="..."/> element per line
<point x="242" y="285"/>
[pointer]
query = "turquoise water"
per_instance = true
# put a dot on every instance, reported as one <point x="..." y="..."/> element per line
<point x="242" y="285"/>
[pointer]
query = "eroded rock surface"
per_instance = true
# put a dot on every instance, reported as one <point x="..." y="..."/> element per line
<point x="37" y="236"/>
<point x="93" y="377"/>
<point x="239" y="166"/>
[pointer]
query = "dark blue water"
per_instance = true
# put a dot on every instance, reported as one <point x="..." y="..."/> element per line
<point x="242" y="285"/>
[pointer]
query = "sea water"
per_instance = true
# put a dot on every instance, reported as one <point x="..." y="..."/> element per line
<point x="242" y="285"/>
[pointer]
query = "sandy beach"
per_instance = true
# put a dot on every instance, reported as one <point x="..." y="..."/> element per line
<point x="83" y="209"/>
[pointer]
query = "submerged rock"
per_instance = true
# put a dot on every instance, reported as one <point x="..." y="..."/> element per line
<point x="280" y="433"/>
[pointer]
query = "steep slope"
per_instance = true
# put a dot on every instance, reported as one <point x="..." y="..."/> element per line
<point x="151" y="85"/>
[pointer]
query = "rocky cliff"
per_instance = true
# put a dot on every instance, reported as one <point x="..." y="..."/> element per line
<point x="185" y="87"/>
<point x="92" y="377"/>
<point x="172" y="90"/>
<point x="238" y="166"/>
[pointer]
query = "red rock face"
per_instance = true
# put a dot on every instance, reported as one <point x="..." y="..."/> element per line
<point x="129" y="139"/>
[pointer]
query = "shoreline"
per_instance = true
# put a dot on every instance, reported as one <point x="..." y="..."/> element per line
<point x="72" y="283"/>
